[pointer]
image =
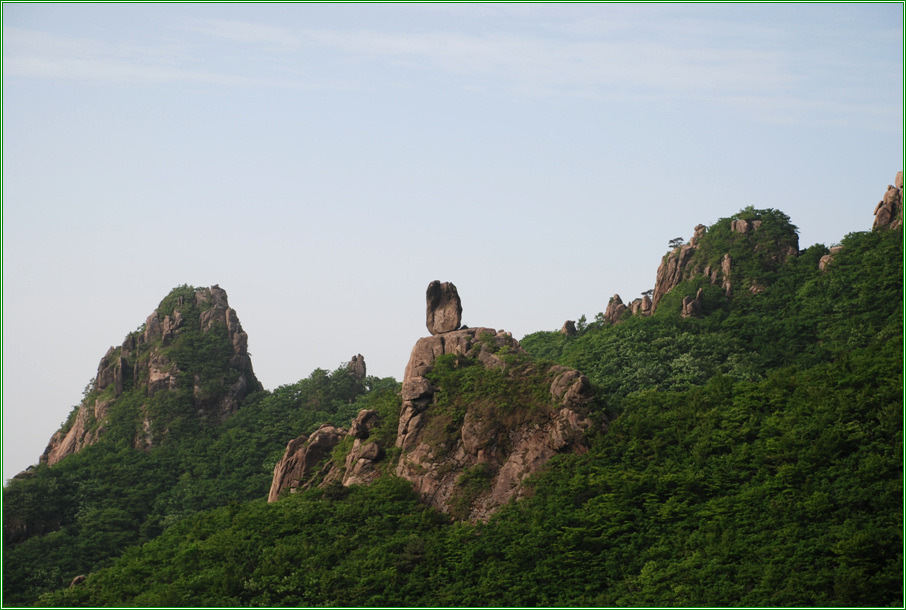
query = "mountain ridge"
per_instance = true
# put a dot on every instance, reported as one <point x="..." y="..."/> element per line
<point x="784" y="389"/>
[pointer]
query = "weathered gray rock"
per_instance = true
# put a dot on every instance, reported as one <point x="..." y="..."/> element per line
<point x="106" y="373"/>
<point x="444" y="308"/>
<point x="360" y="466"/>
<point x="568" y="328"/>
<point x="570" y="388"/>
<point x="152" y="328"/>
<point x="121" y="372"/>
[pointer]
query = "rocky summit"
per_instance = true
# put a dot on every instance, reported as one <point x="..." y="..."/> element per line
<point x="157" y="359"/>
<point x="469" y="458"/>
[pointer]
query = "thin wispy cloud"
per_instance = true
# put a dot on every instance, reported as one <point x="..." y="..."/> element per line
<point x="248" y="33"/>
<point x="623" y="55"/>
<point x="39" y="55"/>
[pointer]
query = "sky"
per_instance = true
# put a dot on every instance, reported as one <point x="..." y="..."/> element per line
<point x="324" y="162"/>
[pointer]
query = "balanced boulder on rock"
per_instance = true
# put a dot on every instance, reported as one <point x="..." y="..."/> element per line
<point x="444" y="311"/>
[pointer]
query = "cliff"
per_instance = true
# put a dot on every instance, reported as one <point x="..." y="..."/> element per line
<point x="191" y="351"/>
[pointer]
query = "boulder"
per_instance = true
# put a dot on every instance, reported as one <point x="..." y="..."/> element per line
<point x="356" y="367"/>
<point x="827" y="259"/>
<point x="362" y="424"/>
<point x="615" y="309"/>
<point x="360" y="463"/>
<point x="692" y="306"/>
<point x="641" y="307"/>
<point x="740" y="226"/>
<point x="570" y="388"/>
<point x="569" y="328"/>
<point x="444" y="308"/>
<point x="697" y="234"/>
<point x="77" y="580"/>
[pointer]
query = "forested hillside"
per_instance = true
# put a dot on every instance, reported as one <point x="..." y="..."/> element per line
<point x="749" y="454"/>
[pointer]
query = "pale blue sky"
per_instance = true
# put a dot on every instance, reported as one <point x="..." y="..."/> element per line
<point x="323" y="163"/>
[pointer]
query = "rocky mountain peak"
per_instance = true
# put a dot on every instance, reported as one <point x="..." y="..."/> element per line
<point x="763" y="236"/>
<point x="468" y="458"/>
<point x="162" y="356"/>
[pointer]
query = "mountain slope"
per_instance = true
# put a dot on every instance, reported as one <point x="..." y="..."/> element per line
<point x="782" y="490"/>
<point x="753" y="457"/>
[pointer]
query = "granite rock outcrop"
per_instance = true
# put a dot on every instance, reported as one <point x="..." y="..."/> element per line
<point x="303" y="456"/>
<point x="496" y="446"/>
<point x="439" y="454"/>
<point x="356" y="367"/>
<point x="615" y="309"/>
<point x="568" y="328"/>
<point x="145" y="364"/>
<point x="889" y="211"/>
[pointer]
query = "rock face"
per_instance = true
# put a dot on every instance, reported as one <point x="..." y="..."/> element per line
<point x="671" y="271"/>
<point x="615" y="309"/>
<point x="444" y="311"/>
<point x="889" y="211"/>
<point x="302" y="456"/>
<point x="475" y="449"/>
<point x="641" y="307"/>
<point x="360" y="466"/>
<point x="466" y="466"/>
<point x="305" y="461"/>
<point x="356" y="367"/>
<point x="144" y="365"/>
<point x="568" y="328"/>
<point x="692" y="306"/>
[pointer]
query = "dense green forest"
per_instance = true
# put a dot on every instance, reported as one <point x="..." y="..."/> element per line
<point x="753" y="457"/>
